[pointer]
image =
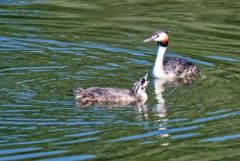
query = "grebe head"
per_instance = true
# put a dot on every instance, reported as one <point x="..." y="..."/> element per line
<point x="160" y="36"/>
<point x="140" y="86"/>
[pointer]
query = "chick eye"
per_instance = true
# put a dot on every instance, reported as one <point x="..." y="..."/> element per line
<point x="143" y="81"/>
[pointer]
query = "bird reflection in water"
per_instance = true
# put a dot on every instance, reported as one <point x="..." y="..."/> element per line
<point x="160" y="108"/>
<point x="159" y="112"/>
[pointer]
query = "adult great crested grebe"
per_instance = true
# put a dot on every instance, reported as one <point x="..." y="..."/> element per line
<point x="97" y="95"/>
<point x="170" y="67"/>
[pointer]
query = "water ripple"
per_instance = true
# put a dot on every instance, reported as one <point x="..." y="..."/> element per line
<point x="76" y="141"/>
<point x="71" y="158"/>
<point x="222" y="58"/>
<point x="182" y="136"/>
<point x="32" y="155"/>
<point x="17" y="150"/>
<point x="41" y="68"/>
<point x="201" y="120"/>
<point x="221" y="138"/>
<point x="24" y="143"/>
<point x="82" y="134"/>
<point x="153" y="133"/>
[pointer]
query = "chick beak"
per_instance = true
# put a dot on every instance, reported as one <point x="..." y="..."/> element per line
<point x="146" y="76"/>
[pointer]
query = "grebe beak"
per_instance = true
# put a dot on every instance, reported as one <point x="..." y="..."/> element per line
<point x="151" y="38"/>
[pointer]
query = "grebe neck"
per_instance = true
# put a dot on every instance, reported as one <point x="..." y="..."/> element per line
<point x="158" y="70"/>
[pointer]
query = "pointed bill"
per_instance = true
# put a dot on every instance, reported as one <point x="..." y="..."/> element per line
<point x="150" y="38"/>
<point x="146" y="76"/>
<point x="143" y="80"/>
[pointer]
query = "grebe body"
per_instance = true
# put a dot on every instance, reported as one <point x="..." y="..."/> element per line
<point x="96" y="95"/>
<point x="170" y="67"/>
<point x="179" y="67"/>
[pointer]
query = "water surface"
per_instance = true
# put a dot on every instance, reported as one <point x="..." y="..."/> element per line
<point x="50" y="47"/>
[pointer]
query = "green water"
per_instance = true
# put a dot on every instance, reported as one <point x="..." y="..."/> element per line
<point x="47" y="48"/>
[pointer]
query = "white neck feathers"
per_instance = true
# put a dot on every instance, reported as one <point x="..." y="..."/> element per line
<point x="158" y="70"/>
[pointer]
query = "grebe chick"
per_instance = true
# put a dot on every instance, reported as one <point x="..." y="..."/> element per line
<point x="95" y="95"/>
<point x="170" y="67"/>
